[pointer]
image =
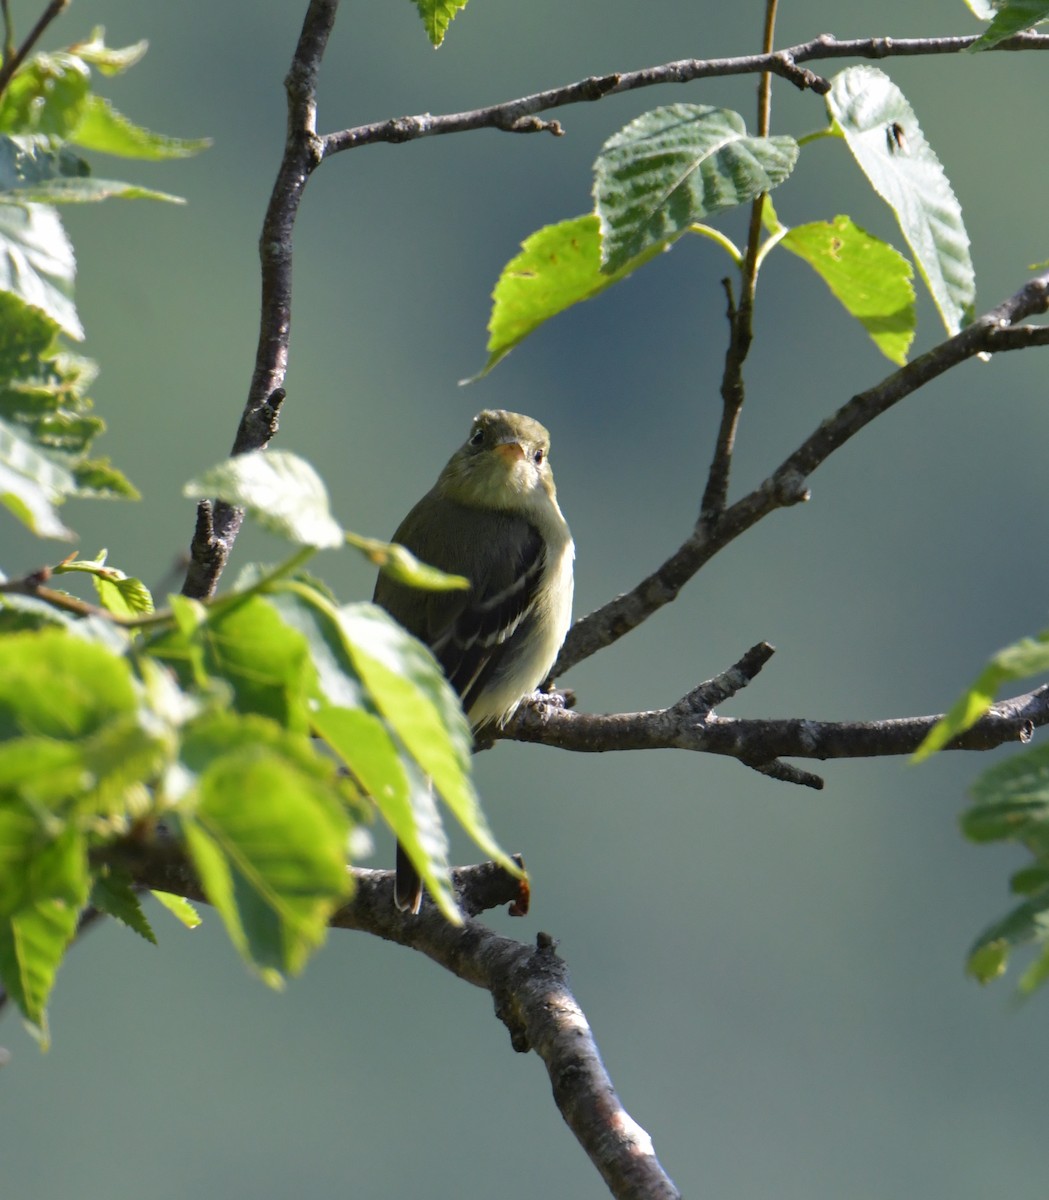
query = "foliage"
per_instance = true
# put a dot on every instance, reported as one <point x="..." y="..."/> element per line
<point x="258" y="732"/>
<point x="48" y="112"/>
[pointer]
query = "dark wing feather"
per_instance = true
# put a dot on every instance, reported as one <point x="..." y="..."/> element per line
<point x="469" y="632"/>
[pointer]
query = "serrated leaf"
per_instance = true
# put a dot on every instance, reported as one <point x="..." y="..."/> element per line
<point x="110" y="60"/>
<point x="179" y="907"/>
<point x="886" y="140"/>
<point x="245" y="643"/>
<point x="269" y="845"/>
<point x="87" y="191"/>
<point x="122" y="595"/>
<point x="113" y="893"/>
<point x="37" y="263"/>
<point x="315" y="617"/>
<point x="30" y="502"/>
<point x="1012" y="17"/>
<point x="1027" y="923"/>
<point x="410" y="691"/>
<point x="559" y="265"/>
<point x="871" y="280"/>
<point x="34" y="936"/>
<point x="403" y="797"/>
<point x="400" y="564"/>
<point x="280" y="490"/>
<point x="45" y="96"/>
<point x="437" y="15"/>
<point x="98" y="478"/>
<point x="674" y="166"/>
<point x="101" y="127"/>
<point x="59" y="686"/>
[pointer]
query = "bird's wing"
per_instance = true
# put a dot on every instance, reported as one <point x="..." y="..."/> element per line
<point x="475" y="643"/>
<point x="469" y="631"/>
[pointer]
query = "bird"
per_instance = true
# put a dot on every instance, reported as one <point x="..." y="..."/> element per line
<point x="493" y="517"/>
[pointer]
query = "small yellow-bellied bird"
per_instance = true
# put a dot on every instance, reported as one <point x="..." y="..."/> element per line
<point x="493" y="517"/>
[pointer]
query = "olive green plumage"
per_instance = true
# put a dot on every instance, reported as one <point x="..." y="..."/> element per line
<point x="493" y="517"/>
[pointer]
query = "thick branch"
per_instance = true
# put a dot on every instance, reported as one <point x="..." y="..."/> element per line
<point x="995" y="330"/>
<point x="530" y="990"/>
<point x="219" y="523"/>
<point x="511" y="116"/>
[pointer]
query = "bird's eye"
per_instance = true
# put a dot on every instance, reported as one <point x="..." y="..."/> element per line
<point x="538" y="456"/>
<point x="477" y="437"/>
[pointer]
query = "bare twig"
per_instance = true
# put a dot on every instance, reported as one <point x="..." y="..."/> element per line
<point x="529" y="987"/>
<point x="786" y="63"/>
<point x="13" y="61"/>
<point x="218" y="523"/>
<point x="995" y="330"/>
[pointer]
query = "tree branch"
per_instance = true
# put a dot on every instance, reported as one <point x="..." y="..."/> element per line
<point x="529" y="987"/>
<point x="993" y="331"/>
<point x="218" y="523"/>
<point x="510" y="115"/>
<point x="692" y="724"/>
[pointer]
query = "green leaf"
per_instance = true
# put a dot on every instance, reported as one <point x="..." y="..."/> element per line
<point x="87" y="191"/>
<point x="559" y="265"/>
<point x="41" y="770"/>
<point x="871" y="280"/>
<point x="46" y="96"/>
<point x="280" y="490"/>
<point x="97" y="478"/>
<point x="410" y="691"/>
<point x="179" y="907"/>
<point x="400" y="564"/>
<point x="58" y="686"/>
<point x="246" y="643"/>
<point x="104" y="129"/>
<point x="403" y="797"/>
<point x="37" y="263"/>
<point x="315" y="617"/>
<point x="113" y="893"/>
<point x="674" y="166"/>
<point x="1012" y="17"/>
<point x="883" y="134"/>
<point x="437" y="15"/>
<point x="24" y="496"/>
<point x="117" y="592"/>
<point x="1027" y="923"/>
<point x="1011" y="801"/>
<point x="110" y="60"/>
<point x="269" y="845"/>
<point x="1029" y="656"/>
<point x="34" y="935"/>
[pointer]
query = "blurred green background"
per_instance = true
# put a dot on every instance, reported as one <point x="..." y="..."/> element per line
<point x="774" y="975"/>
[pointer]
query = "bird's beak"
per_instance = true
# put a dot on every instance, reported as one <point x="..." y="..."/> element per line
<point x="510" y="452"/>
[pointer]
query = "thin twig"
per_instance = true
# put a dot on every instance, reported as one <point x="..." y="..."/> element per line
<point x="218" y="523"/>
<point x="740" y="317"/>
<point x="995" y="330"/>
<point x="13" y="61"/>
<point x="508" y="114"/>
